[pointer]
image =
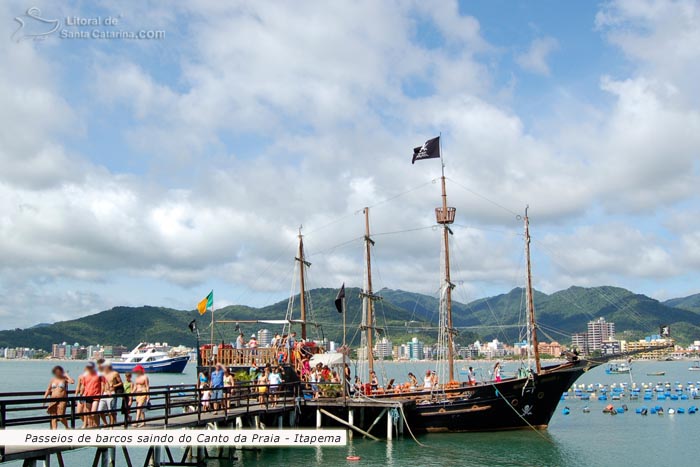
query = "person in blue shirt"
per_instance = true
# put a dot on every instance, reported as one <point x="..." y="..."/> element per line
<point x="217" y="387"/>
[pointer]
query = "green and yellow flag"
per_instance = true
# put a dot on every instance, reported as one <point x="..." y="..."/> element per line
<point x="207" y="303"/>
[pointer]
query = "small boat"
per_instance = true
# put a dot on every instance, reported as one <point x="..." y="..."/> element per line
<point x="617" y="368"/>
<point x="657" y="373"/>
<point x="151" y="359"/>
<point x="695" y="367"/>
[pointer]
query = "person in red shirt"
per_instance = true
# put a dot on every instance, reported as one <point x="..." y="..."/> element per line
<point x="93" y="387"/>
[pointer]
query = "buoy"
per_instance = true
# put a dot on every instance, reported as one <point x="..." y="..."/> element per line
<point x="353" y="458"/>
<point x="566" y="411"/>
<point x="586" y="409"/>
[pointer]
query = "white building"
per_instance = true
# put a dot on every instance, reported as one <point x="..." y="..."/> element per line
<point x="264" y="338"/>
<point x="383" y="348"/>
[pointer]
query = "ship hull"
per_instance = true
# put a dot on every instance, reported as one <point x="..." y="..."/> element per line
<point x="169" y="365"/>
<point x="508" y="405"/>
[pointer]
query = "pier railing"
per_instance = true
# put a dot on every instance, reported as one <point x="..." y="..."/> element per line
<point x="233" y="357"/>
<point x="168" y="406"/>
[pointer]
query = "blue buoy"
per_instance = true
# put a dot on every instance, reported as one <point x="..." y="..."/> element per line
<point x="620" y="410"/>
<point x="652" y="411"/>
<point x="680" y="410"/>
<point x="566" y="411"/>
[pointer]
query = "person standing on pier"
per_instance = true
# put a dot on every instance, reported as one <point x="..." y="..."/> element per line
<point x="217" y="387"/>
<point x="58" y="389"/>
<point x="291" y="343"/>
<point x="141" y="388"/>
<point x="229" y="382"/>
<point x="94" y="386"/>
<point x="104" y="403"/>
<point x="115" y="386"/>
<point x="263" y="382"/>
<point x="126" y="408"/>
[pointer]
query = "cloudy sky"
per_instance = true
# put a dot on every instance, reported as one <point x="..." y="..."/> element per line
<point x="150" y="170"/>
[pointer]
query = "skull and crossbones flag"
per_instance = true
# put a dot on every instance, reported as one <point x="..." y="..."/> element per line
<point x="429" y="150"/>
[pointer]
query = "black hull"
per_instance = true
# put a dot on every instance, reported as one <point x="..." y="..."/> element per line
<point x="508" y="405"/>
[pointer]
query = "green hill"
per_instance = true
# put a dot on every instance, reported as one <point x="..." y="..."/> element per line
<point x="691" y="302"/>
<point x="402" y="314"/>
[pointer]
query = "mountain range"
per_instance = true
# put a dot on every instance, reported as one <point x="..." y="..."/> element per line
<point x="400" y="314"/>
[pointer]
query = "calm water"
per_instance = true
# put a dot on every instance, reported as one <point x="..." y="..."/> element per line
<point x="578" y="439"/>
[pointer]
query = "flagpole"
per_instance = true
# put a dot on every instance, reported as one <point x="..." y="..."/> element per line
<point x="212" y="328"/>
<point x="345" y="350"/>
<point x="344" y="324"/>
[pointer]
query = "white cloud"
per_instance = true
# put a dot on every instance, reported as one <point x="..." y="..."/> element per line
<point x="534" y="59"/>
<point x="293" y="114"/>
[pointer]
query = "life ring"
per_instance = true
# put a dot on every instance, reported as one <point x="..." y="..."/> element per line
<point x="353" y="458"/>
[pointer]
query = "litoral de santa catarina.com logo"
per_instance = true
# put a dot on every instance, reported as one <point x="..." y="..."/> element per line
<point x="32" y="25"/>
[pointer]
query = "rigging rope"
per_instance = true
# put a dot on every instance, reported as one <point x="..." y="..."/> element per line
<point x="482" y="196"/>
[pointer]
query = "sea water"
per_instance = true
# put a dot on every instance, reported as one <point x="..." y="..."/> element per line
<point x="577" y="439"/>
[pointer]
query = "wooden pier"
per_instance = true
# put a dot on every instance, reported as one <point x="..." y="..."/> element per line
<point x="179" y="406"/>
<point x="182" y="406"/>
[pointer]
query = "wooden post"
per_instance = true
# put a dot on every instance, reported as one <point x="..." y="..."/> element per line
<point x="530" y="300"/>
<point x="112" y="456"/>
<point x="104" y="457"/>
<point x="445" y="220"/>
<point x="389" y="426"/>
<point x="318" y="418"/>
<point x="302" y="285"/>
<point x="156" y="455"/>
<point x="343" y="422"/>
<point x="351" y="420"/>
<point x="369" y="325"/>
<point x="376" y="420"/>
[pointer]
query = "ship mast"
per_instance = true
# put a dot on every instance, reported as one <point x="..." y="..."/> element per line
<point x="303" y="264"/>
<point x="367" y="296"/>
<point x="532" y="326"/>
<point x="446" y="216"/>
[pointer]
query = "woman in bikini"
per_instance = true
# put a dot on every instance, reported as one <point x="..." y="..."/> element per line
<point x="58" y="389"/>
<point x="141" y="385"/>
<point x="228" y="387"/>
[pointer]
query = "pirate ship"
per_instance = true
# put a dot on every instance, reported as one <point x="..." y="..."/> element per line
<point x="526" y="400"/>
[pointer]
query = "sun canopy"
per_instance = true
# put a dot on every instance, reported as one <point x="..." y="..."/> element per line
<point x="327" y="359"/>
